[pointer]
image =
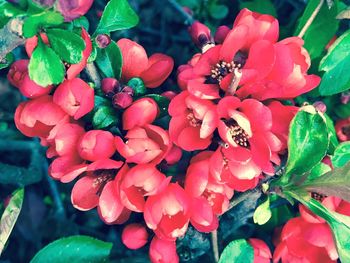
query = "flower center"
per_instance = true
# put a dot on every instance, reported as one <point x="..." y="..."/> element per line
<point x="238" y="134"/>
<point x="193" y="121"/>
<point x="102" y="178"/>
<point x="318" y="197"/>
<point x="219" y="71"/>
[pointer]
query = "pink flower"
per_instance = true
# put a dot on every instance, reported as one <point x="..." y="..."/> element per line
<point x="37" y="117"/>
<point x="174" y="155"/>
<point x="18" y="76"/>
<point x="193" y="122"/>
<point x="72" y="9"/>
<point x="163" y="251"/>
<point x="139" y="182"/>
<point x="153" y="70"/>
<point x="262" y="253"/>
<point x="134" y="236"/>
<point x="342" y="128"/>
<point x="141" y="112"/>
<point x="168" y="212"/>
<point x="96" y="145"/>
<point x="75" y="97"/>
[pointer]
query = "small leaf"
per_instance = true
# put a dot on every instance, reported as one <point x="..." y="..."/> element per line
<point x="104" y="117"/>
<point x="109" y="60"/>
<point x="7" y="61"/>
<point x="117" y="15"/>
<point x="218" y="11"/>
<point x="66" y="44"/>
<point x="341" y="155"/>
<point x="322" y="29"/>
<point x="45" y="67"/>
<point x="163" y="103"/>
<point x="138" y="86"/>
<point x="9" y="217"/>
<point x="33" y="23"/>
<point x="263" y="7"/>
<point x="263" y="213"/>
<point x="307" y="143"/>
<point x="74" y="249"/>
<point x="238" y="251"/>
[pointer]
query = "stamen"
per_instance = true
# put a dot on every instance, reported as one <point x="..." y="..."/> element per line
<point x="194" y="122"/>
<point x="238" y="134"/>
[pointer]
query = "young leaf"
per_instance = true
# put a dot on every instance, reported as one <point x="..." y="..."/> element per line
<point x="9" y="217"/>
<point x="104" y="117"/>
<point x="322" y="29"/>
<point x="74" y="249"/>
<point x="341" y="155"/>
<point x="66" y="44"/>
<point x="307" y="143"/>
<point x="109" y="60"/>
<point x="238" y="251"/>
<point x="33" y="23"/>
<point x="117" y="15"/>
<point x="263" y="213"/>
<point x="335" y="64"/>
<point x="45" y="67"/>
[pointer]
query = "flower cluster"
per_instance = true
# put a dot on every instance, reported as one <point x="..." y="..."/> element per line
<point x="228" y="114"/>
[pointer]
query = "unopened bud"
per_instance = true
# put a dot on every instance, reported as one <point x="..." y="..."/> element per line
<point x="103" y="40"/>
<point x="221" y="34"/>
<point x="200" y="34"/>
<point x="128" y="90"/>
<point x="320" y="106"/>
<point x="122" y="100"/>
<point x="110" y="86"/>
<point x="345" y="97"/>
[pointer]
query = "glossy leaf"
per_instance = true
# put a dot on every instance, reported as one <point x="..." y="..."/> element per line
<point x="263" y="213"/>
<point x="238" y="251"/>
<point x="341" y="155"/>
<point x="66" y="44"/>
<point x="333" y="139"/>
<point x="45" y="19"/>
<point x="74" y="249"/>
<point x="104" y="117"/>
<point x="45" y="67"/>
<point x="307" y="143"/>
<point x="109" y="60"/>
<point x="322" y="29"/>
<point x="117" y="15"/>
<point x="9" y="217"/>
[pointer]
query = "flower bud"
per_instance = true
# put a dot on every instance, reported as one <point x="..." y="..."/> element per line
<point x="342" y="128"/>
<point x="73" y="8"/>
<point x="200" y="34"/>
<point x="110" y="86"/>
<point x="96" y="145"/>
<point x="103" y="40"/>
<point x="320" y="106"/>
<point x="128" y="90"/>
<point x="345" y="97"/>
<point x="221" y="34"/>
<point x="163" y="251"/>
<point x="122" y="100"/>
<point x="262" y="252"/>
<point x="169" y="94"/>
<point x="134" y="236"/>
<point x="138" y="86"/>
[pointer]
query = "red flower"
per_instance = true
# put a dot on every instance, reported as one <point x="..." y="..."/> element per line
<point x="18" y="76"/>
<point x="262" y="253"/>
<point x="96" y="145"/>
<point x="174" y="155"/>
<point x="143" y="145"/>
<point x="221" y="33"/>
<point x="163" y="251"/>
<point x="342" y="128"/>
<point x="168" y="212"/>
<point x="140" y="181"/>
<point x="72" y="9"/>
<point x="193" y="122"/>
<point x="75" y="97"/>
<point x="99" y="188"/>
<point x="153" y="70"/>
<point x="141" y="112"/>
<point x="134" y="236"/>
<point x="37" y="117"/>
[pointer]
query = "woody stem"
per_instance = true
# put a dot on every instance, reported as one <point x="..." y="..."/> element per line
<point x="93" y="75"/>
<point x="311" y="19"/>
<point x="214" y="244"/>
<point x="11" y="37"/>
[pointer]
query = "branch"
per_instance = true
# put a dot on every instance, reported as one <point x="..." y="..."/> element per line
<point x="11" y="37"/>
<point x="214" y="243"/>
<point x="189" y="19"/>
<point x="93" y="75"/>
<point x="311" y="19"/>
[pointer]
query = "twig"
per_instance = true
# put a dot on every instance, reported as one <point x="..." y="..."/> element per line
<point x="11" y="37"/>
<point x="214" y="244"/>
<point x="92" y="73"/>
<point x="239" y="199"/>
<point x="311" y="19"/>
<point x="189" y="19"/>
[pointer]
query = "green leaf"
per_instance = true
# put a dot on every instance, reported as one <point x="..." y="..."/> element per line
<point x="104" y="117"/>
<point x="138" y="86"/>
<point x="74" y="249"/>
<point x="342" y="110"/>
<point x="335" y="64"/>
<point x="218" y="11"/>
<point x="117" y="15"/>
<point x="263" y="213"/>
<point x="7" y="11"/>
<point x="339" y="224"/>
<point x="238" y="251"/>
<point x="109" y="60"/>
<point x="333" y="139"/>
<point x="319" y="170"/>
<point x="9" y="217"/>
<point x="66" y="44"/>
<point x="45" y="67"/>
<point x="46" y="19"/>
<point x="307" y="143"/>
<point x="341" y="154"/>
<point x="322" y="29"/>
<point x="163" y="103"/>
<point x="7" y="61"/>
<point x="263" y="7"/>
